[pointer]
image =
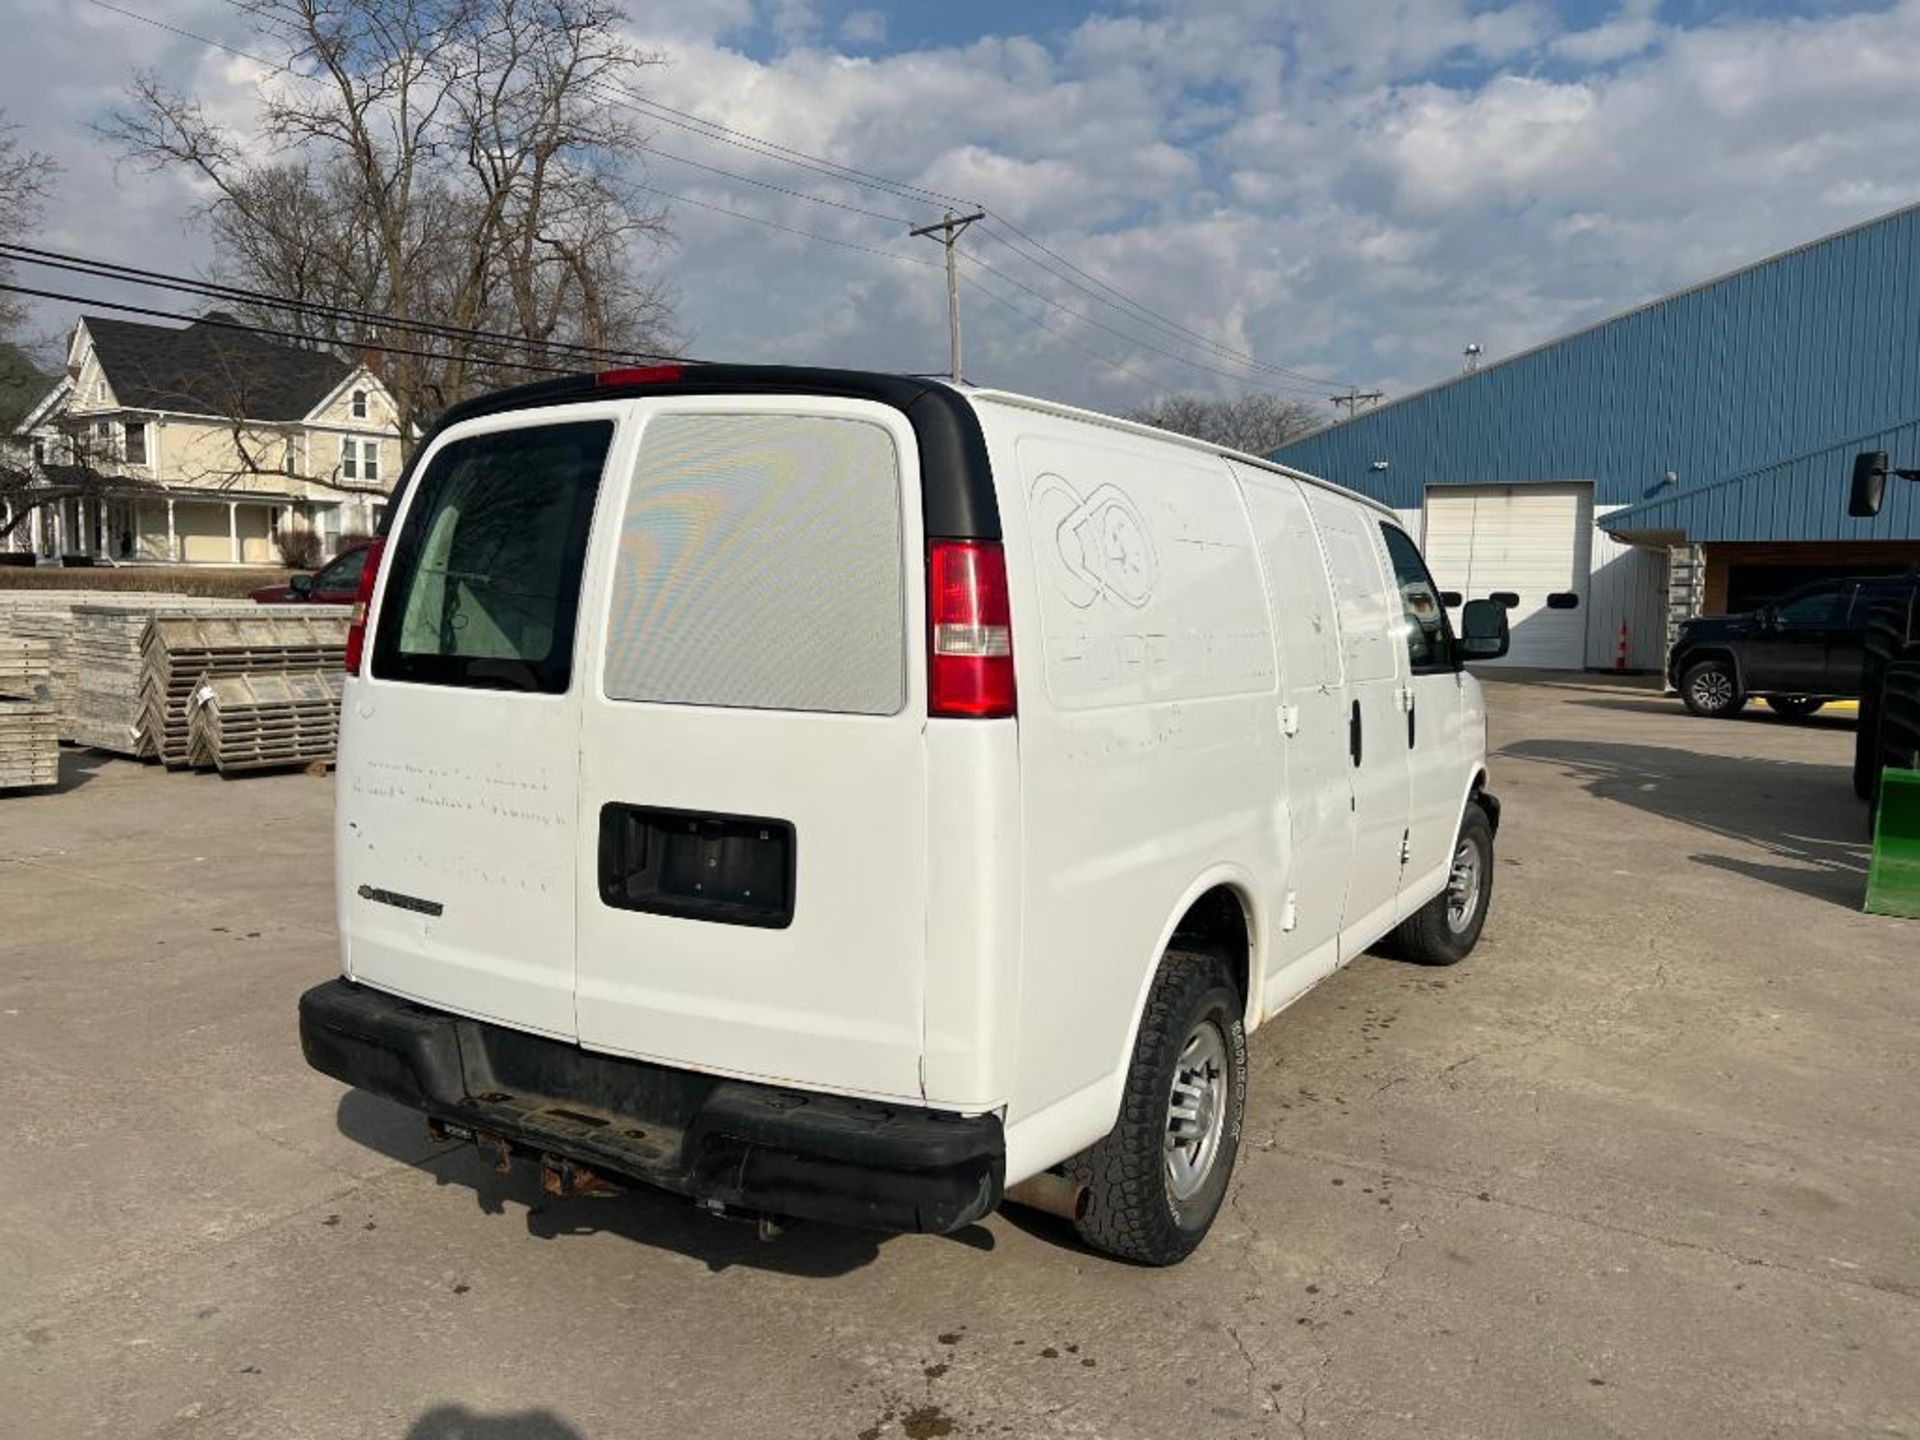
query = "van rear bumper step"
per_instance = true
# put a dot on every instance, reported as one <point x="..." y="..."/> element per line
<point x="727" y="1142"/>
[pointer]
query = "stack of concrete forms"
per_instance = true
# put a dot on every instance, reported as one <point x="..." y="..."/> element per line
<point x="104" y="698"/>
<point x="48" y="615"/>
<point x="264" y="721"/>
<point x="29" y="733"/>
<point x="183" y="653"/>
<point x="54" y="615"/>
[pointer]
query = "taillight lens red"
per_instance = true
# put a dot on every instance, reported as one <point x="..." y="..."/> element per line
<point x="970" y="631"/>
<point x="639" y="375"/>
<point x="357" y="625"/>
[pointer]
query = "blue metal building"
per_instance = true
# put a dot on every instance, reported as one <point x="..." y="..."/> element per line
<point x="1692" y="453"/>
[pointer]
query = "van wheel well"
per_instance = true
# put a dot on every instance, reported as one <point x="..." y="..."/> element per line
<point x="1216" y="923"/>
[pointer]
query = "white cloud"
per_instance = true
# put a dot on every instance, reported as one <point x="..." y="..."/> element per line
<point x="1350" y="190"/>
<point x="864" y="27"/>
<point x="1634" y="28"/>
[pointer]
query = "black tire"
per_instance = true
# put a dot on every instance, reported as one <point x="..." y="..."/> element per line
<point x="1133" y="1211"/>
<point x="1712" y="688"/>
<point x="1436" y="934"/>
<point x="1794" y="707"/>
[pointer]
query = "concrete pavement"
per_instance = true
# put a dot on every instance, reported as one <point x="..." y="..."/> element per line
<point x="1645" y="1164"/>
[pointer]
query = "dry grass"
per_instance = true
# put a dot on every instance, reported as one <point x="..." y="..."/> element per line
<point x="144" y="579"/>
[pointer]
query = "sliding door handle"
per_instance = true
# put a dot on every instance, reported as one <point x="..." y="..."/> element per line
<point x="1353" y="732"/>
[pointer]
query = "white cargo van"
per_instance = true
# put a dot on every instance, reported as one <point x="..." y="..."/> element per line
<point x="854" y="797"/>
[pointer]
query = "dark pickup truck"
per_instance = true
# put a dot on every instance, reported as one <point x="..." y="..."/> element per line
<point x="1803" y="650"/>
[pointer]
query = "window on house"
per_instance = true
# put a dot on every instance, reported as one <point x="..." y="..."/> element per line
<point x="39" y="452"/>
<point x="359" y="404"/>
<point x="359" y="459"/>
<point x="136" y="442"/>
<point x="287" y="462"/>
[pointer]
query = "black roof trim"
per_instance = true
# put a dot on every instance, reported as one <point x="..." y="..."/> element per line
<point x="956" y="480"/>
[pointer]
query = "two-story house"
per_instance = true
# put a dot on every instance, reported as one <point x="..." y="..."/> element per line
<point x="225" y="438"/>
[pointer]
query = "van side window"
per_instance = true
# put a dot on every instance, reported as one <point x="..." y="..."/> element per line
<point x="1429" y="639"/>
<point x="485" y="587"/>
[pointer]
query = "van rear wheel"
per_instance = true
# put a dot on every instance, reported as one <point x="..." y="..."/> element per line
<point x="1445" y="929"/>
<point x="1158" y="1179"/>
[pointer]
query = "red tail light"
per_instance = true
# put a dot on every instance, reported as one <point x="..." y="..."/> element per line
<point x="970" y="627"/>
<point x="357" y="625"/>
<point x="639" y="375"/>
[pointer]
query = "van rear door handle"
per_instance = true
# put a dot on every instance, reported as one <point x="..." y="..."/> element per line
<point x="1413" y="708"/>
<point x="1353" y="732"/>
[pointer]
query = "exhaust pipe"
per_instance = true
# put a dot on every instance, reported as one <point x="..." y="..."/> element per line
<point x="1054" y="1194"/>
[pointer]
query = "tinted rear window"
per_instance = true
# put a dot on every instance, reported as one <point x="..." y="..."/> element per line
<point x="761" y="567"/>
<point x="484" y="578"/>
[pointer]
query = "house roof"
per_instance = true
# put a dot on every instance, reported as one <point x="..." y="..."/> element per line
<point x="208" y="368"/>
<point x="22" y="383"/>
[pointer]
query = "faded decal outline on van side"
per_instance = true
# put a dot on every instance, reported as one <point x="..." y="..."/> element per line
<point x="1100" y="543"/>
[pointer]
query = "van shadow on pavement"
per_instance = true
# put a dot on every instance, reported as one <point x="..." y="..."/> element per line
<point x="456" y="1422"/>
<point x="643" y="1215"/>
<point x="1800" y="813"/>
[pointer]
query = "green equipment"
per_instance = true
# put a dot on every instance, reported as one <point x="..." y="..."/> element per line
<point x="1893" y="876"/>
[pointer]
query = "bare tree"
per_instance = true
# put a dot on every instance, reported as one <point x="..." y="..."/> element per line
<point x="77" y="465"/>
<point x="453" y="162"/>
<point x="26" y="178"/>
<point x="1256" y="424"/>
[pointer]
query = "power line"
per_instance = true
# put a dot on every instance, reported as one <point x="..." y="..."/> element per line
<point x="790" y="229"/>
<point x="1124" y="304"/>
<point x="1062" y="335"/>
<point x="1132" y="308"/>
<point x="623" y="97"/>
<point x="1135" y="340"/>
<point x="714" y="130"/>
<point x="215" y="290"/>
<point x="223" y="323"/>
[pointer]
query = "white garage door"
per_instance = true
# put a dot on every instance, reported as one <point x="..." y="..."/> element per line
<point x="1529" y="542"/>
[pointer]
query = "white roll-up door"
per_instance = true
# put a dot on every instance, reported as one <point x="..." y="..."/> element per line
<point x="1530" y="542"/>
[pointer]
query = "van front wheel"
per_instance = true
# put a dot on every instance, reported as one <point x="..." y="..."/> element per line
<point x="1445" y="929"/>
<point x="1157" y="1180"/>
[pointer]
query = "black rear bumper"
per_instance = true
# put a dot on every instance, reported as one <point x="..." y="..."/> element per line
<point x="744" y="1146"/>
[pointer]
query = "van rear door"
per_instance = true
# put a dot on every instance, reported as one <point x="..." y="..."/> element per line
<point x="458" y="763"/>
<point x="752" y="813"/>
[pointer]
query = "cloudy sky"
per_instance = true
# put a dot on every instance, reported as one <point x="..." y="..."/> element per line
<point x="1274" y="189"/>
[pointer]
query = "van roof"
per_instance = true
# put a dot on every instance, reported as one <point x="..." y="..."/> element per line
<point x="1135" y="427"/>
<point x="958" y="500"/>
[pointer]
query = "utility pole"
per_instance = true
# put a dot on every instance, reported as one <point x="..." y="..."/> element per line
<point x="948" y="233"/>
<point x="1355" y="398"/>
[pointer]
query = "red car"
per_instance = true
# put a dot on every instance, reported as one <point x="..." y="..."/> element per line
<point x="335" y="583"/>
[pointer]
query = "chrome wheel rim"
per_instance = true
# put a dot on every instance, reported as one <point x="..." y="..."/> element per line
<point x="1713" y="690"/>
<point x="1196" y="1110"/>
<point x="1463" y="887"/>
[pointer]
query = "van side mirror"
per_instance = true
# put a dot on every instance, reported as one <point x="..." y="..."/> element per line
<point x="301" y="584"/>
<point x="1869" y="484"/>
<point x="1484" y="630"/>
